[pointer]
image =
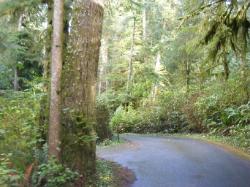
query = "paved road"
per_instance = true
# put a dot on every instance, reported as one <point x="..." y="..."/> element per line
<point x="178" y="162"/>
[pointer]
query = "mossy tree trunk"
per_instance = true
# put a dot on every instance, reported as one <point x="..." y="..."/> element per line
<point x="79" y="89"/>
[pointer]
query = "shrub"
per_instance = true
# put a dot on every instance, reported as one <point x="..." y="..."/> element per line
<point x="53" y="174"/>
<point x="124" y="119"/>
<point x="9" y="176"/>
<point x="146" y="120"/>
<point x="104" y="173"/>
<point x="103" y="129"/>
<point x="19" y="126"/>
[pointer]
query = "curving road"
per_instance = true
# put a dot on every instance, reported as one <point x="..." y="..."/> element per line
<point x="178" y="162"/>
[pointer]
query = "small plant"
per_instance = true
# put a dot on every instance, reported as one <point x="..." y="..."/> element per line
<point x="8" y="175"/>
<point x="104" y="173"/>
<point x="53" y="174"/>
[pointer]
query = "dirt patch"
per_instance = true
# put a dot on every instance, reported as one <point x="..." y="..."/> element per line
<point x="112" y="174"/>
<point x="122" y="177"/>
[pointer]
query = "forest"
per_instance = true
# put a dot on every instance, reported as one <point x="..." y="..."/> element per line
<point x="79" y="74"/>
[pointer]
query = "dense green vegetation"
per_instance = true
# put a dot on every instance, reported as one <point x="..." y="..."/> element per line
<point x="166" y="66"/>
<point x="190" y="73"/>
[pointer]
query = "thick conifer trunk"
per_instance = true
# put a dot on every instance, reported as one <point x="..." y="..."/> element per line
<point x="79" y="88"/>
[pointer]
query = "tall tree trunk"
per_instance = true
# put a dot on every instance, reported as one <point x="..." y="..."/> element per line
<point x="16" y="85"/>
<point x="130" y="64"/>
<point x="245" y="76"/>
<point x="102" y="87"/>
<point x="187" y="74"/>
<point x="15" y="81"/>
<point x="226" y="68"/>
<point x="47" y="55"/>
<point x="56" y="70"/>
<point x="157" y="71"/>
<point x="144" y="29"/>
<point x="44" y="102"/>
<point x="243" y="47"/>
<point x="144" y="20"/>
<point x="79" y="89"/>
<point x="225" y="63"/>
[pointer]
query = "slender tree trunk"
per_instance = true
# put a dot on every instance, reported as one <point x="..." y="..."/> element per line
<point x="242" y="42"/>
<point x="56" y="70"/>
<point x="226" y="68"/>
<point x="44" y="102"/>
<point x="102" y="87"/>
<point x="79" y="89"/>
<point x="20" y="22"/>
<point x="144" y="28"/>
<point x="187" y="74"/>
<point x="157" y="71"/>
<point x="15" y="82"/>
<point x="144" y="20"/>
<point x="225" y="63"/>
<point x="245" y="76"/>
<point x="47" y="55"/>
<point x="130" y="64"/>
<point x="16" y="85"/>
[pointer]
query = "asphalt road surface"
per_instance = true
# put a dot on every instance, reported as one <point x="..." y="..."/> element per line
<point x="178" y="162"/>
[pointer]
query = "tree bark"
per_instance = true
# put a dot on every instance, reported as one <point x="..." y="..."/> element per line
<point x="16" y="81"/>
<point x="44" y="102"/>
<point x="102" y="87"/>
<point x="187" y="72"/>
<point x="226" y="68"/>
<point x="16" y="85"/>
<point x="245" y="76"/>
<point x="144" y="20"/>
<point x="79" y="89"/>
<point x="56" y="70"/>
<point x="47" y="55"/>
<point x="157" y="71"/>
<point x="130" y="64"/>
